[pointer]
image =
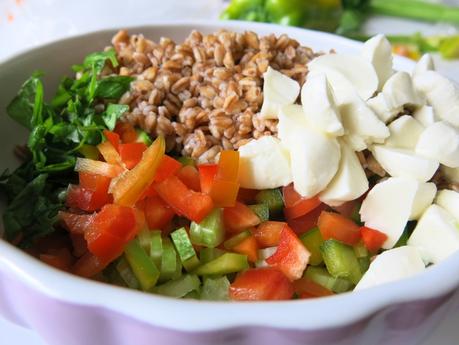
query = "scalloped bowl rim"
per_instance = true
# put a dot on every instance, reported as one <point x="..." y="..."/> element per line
<point x="190" y="315"/>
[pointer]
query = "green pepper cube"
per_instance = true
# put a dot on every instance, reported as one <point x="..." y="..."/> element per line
<point x="341" y="261"/>
<point x="225" y="264"/>
<point x="191" y="263"/>
<point x="208" y="254"/>
<point x="271" y="198"/>
<point x="261" y="210"/>
<point x="183" y="244"/>
<point x="320" y="276"/>
<point x="156" y="247"/>
<point x="180" y="287"/>
<point x="142" y="265"/>
<point x="143" y="137"/>
<point x="312" y="240"/>
<point x="236" y="239"/>
<point x="187" y="161"/>
<point x="210" y="231"/>
<point x="169" y="261"/>
<point x="125" y="273"/>
<point x="215" y="289"/>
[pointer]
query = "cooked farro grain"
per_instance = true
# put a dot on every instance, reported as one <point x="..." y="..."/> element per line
<point x="204" y="94"/>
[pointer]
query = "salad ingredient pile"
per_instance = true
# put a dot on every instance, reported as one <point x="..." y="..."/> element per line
<point x="354" y="185"/>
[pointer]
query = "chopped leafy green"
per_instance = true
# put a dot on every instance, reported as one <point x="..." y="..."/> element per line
<point x="59" y="131"/>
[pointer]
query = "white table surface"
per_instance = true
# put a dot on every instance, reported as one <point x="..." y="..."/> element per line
<point x="29" y="23"/>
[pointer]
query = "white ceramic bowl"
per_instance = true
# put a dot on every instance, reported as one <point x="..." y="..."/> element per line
<point x="65" y="309"/>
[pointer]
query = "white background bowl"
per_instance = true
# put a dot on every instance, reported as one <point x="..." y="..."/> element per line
<point x="30" y="291"/>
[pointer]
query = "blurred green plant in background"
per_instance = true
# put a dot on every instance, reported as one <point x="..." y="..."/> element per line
<point x="345" y="17"/>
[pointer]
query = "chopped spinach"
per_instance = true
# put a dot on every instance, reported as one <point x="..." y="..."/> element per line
<point x="58" y="131"/>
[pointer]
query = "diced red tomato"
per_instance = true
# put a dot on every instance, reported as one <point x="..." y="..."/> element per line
<point x="268" y="233"/>
<point x="261" y="284"/>
<point x="89" y="265"/>
<point x="79" y="244"/>
<point x="131" y="153"/>
<point x="126" y="131"/>
<point x="75" y="223"/>
<point x="94" y="182"/>
<point x="184" y="201"/>
<point x="110" y="230"/>
<point x="189" y="175"/>
<point x="113" y="138"/>
<point x="307" y="222"/>
<point x="373" y="239"/>
<point x="207" y="173"/>
<point x="168" y="167"/>
<point x="247" y="196"/>
<point x="249" y="247"/>
<point x="91" y="194"/>
<point x="131" y="186"/>
<point x="306" y="288"/>
<point x="157" y="213"/>
<point x="239" y="218"/>
<point x="297" y="206"/>
<point x="60" y="259"/>
<point x="291" y="256"/>
<point x="338" y="227"/>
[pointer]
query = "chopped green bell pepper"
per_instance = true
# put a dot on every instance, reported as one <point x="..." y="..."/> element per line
<point x="227" y="263"/>
<point x="312" y="240"/>
<point x="271" y="198"/>
<point x="125" y="272"/>
<point x="143" y="137"/>
<point x="209" y="254"/>
<point x="187" y="161"/>
<point x="261" y="210"/>
<point x="142" y="265"/>
<point x="321" y="276"/>
<point x="215" y="289"/>
<point x="210" y="231"/>
<point x="171" y="267"/>
<point x="183" y="244"/>
<point x="156" y="247"/>
<point x="180" y="287"/>
<point x="341" y="261"/>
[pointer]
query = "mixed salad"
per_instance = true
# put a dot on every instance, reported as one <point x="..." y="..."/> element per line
<point x="298" y="215"/>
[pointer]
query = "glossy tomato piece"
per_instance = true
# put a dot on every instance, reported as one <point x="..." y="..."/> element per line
<point x="207" y="173"/>
<point x="239" y="218"/>
<point x="261" y="284"/>
<point x="91" y="194"/>
<point x="89" y="265"/>
<point x="189" y="175"/>
<point x="268" y="233"/>
<point x="335" y="226"/>
<point x="157" y="213"/>
<point x="296" y="205"/>
<point x="307" y="222"/>
<point x="193" y="205"/>
<point x="373" y="239"/>
<point x="131" y="153"/>
<point x="75" y="223"/>
<point x="291" y="256"/>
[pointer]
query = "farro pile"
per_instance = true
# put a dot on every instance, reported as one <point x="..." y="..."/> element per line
<point x="205" y="94"/>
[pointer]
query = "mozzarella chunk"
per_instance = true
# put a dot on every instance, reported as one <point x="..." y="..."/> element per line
<point x="424" y="64"/>
<point x="441" y="93"/>
<point x="399" y="91"/>
<point x="278" y="90"/>
<point x="343" y="70"/>
<point x="425" y="115"/>
<point x="349" y="183"/>
<point x="402" y="162"/>
<point x="449" y="200"/>
<point x="392" y="265"/>
<point x="440" y="141"/>
<point x="423" y="199"/>
<point x="389" y="205"/>
<point x="378" y="51"/>
<point x="404" y="132"/>
<point x="314" y="156"/>
<point x="383" y="109"/>
<point x="319" y="105"/>
<point x="436" y="235"/>
<point x="264" y="164"/>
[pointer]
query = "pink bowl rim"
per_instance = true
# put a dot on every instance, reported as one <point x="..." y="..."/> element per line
<point x="190" y="315"/>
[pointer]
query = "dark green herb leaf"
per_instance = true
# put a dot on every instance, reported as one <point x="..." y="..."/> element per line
<point x="113" y="113"/>
<point x="112" y="87"/>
